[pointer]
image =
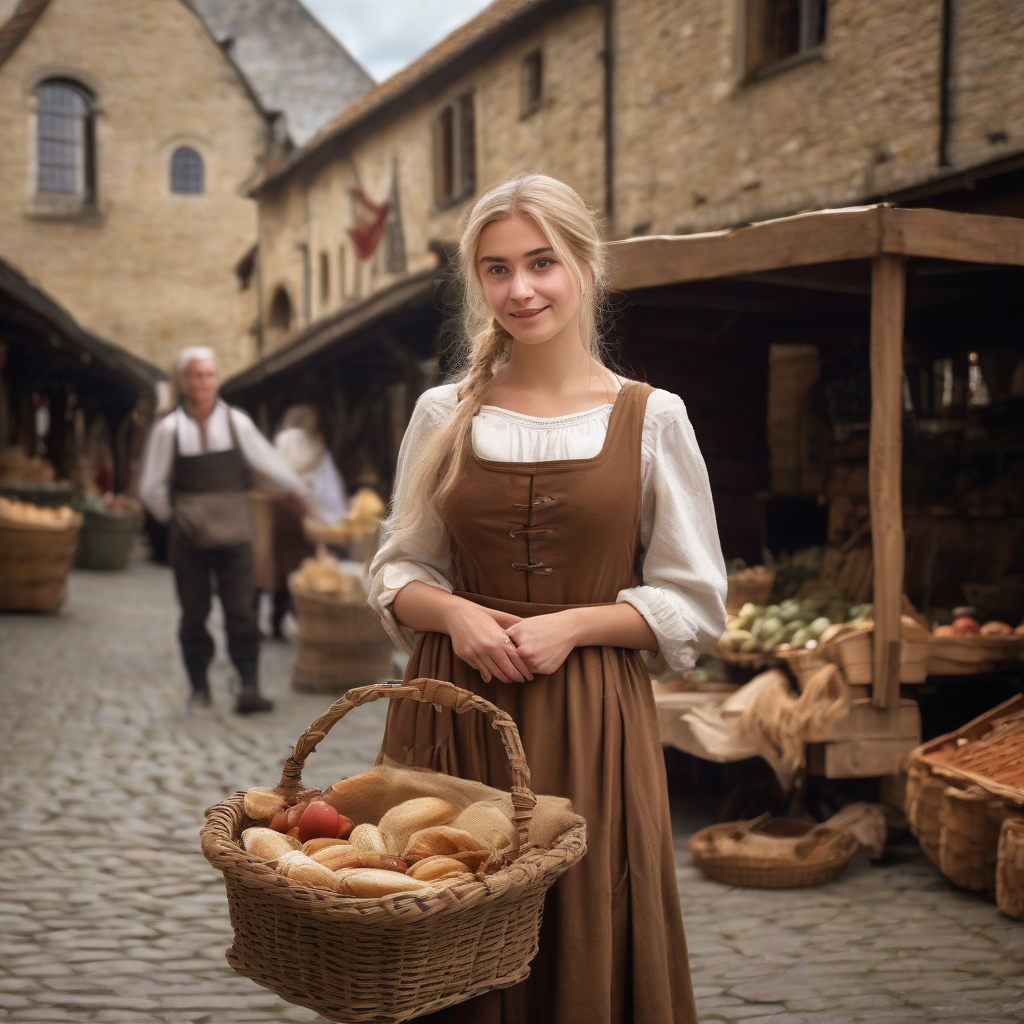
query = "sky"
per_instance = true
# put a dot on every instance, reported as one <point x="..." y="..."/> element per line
<point x="384" y="35"/>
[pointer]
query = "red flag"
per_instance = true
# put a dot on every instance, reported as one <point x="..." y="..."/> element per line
<point x="366" y="235"/>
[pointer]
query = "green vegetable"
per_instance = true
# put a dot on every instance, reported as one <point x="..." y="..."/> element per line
<point x="800" y="638"/>
<point x="772" y="642"/>
<point x="818" y="626"/>
<point x="792" y="628"/>
<point x="771" y="625"/>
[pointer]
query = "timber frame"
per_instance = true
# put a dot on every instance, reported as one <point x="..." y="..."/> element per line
<point x="787" y="251"/>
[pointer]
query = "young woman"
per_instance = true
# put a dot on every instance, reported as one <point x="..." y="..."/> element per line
<point x="552" y="520"/>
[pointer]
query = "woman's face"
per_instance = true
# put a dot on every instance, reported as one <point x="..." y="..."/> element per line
<point x="530" y="291"/>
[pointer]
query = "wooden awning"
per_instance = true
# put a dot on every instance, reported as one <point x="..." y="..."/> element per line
<point x="824" y="236"/>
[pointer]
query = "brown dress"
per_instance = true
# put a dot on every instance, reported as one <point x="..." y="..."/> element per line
<point x="536" y="538"/>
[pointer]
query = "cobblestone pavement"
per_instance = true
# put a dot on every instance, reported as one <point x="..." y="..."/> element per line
<point x="108" y="911"/>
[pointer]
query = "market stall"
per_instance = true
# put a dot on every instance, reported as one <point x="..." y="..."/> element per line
<point x="856" y="385"/>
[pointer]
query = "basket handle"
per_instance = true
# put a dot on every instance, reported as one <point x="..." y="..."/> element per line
<point x="442" y="695"/>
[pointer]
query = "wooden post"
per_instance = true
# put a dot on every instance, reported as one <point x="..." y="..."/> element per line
<point x="885" y="462"/>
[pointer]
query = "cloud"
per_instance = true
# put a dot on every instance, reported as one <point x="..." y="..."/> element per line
<point x="384" y="35"/>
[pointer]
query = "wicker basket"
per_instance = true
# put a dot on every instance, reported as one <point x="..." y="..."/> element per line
<point x="971" y="655"/>
<point x="969" y="823"/>
<point x="34" y="563"/>
<point x="803" y="664"/>
<point x="765" y="854"/>
<point x="852" y="648"/>
<point x="1010" y="869"/>
<point x="749" y="586"/>
<point x="340" y="645"/>
<point x="922" y="807"/>
<point x="394" y="957"/>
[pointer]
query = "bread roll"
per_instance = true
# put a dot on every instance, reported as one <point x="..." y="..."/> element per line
<point x="441" y="840"/>
<point x="315" y="845"/>
<point x="373" y="882"/>
<point x="263" y="804"/>
<point x="491" y="826"/>
<point x="401" y="822"/>
<point x="300" y="868"/>
<point x="338" y="857"/>
<point x="432" y="868"/>
<point x="368" y="837"/>
<point x="266" y="844"/>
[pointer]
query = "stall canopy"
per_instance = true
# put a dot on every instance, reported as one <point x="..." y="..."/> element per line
<point x="45" y="353"/>
<point x="703" y="311"/>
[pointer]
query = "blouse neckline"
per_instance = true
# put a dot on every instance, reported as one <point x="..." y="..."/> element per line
<point x="546" y="421"/>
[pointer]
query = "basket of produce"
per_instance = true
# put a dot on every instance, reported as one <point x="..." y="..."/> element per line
<point x="772" y="853"/>
<point x="969" y="648"/>
<point x="108" y="530"/>
<point x="748" y="586"/>
<point x="962" y="786"/>
<point x="20" y="470"/>
<point x="359" y="527"/>
<point x="1010" y="869"/>
<point x="850" y="645"/>
<point x="341" y="642"/>
<point x="397" y="892"/>
<point x="37" y="546"/>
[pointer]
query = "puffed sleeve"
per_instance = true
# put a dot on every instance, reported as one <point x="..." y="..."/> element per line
<point x="420" y="552"/>
<point x="682" y="596"/>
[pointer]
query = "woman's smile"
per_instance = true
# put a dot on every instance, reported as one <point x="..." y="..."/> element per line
<point x="527" y="314"/>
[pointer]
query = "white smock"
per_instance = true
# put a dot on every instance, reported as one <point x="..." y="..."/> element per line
<point x="321" y="482"/>
<point x="683" y="588"/>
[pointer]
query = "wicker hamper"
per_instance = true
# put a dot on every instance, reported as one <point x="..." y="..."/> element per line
<point x="394" y="957"/>
<point x="34" y="563"/>
<point x="341" y="644"/>
<point x="962" y="787"/>
<point x="1010" y="869"/>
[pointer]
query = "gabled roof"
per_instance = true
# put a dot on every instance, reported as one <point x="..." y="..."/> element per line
<point x="469" y="42"/>
<point x="20" y="23"/>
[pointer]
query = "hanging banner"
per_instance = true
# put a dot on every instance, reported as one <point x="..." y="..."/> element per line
<point x="370" y="217"/>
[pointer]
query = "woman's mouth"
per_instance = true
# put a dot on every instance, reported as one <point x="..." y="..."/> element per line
<point x="527" y="314"/>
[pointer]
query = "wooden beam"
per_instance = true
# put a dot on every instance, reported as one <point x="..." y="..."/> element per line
<point x="944" y="235"/>
<point x="885" y="462"/>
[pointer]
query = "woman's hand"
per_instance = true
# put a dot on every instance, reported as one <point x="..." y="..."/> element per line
<point x="543" y="642"/>
<point x="479" y="640"/>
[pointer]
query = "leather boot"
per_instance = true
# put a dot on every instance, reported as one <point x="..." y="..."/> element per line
<point x="249" y="699"/>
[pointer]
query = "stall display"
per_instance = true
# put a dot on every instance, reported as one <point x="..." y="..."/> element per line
<point x="341" y="642"/>
<point x="37" y="546"/>
<point x="357" y="531"/>
<point x="376" y="942"/>
<point x="961" y="788"/>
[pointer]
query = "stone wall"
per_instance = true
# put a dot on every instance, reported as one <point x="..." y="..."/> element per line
<point x="564" y="138"/>
<point x="147" y="268"/>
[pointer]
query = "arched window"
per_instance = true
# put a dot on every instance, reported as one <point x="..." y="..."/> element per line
<point x="187" y="172"/>
<point x="64" y="143"/>
<point x="280" y="312"/>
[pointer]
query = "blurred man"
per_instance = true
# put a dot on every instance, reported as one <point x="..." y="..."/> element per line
<point x="199" y="464"/>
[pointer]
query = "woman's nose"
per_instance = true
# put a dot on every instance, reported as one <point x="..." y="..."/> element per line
<point x="521" y="288"/>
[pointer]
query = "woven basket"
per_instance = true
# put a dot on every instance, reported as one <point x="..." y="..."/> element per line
<point x="34" y="564"/>
<point x="851" y="649"/>
<point x="341" y="644"/>
<point x="969" y="823"/>
<point x="1010" y="869"/>
<point x="922" y="807"/>
<point x="749" y="586"/>
<point x="754" y="854"/>
<point x="803" y="664"/>
<point x="971" y="655"/>
<point x="394" y="957"/>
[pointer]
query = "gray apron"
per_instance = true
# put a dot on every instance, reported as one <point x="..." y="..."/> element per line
<point x="208" y="494"/>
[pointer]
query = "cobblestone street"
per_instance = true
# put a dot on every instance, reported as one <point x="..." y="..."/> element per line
<point x="108" y="911"/>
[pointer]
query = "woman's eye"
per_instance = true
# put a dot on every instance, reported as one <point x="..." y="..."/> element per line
<point x="541" y="264"/>
<point x="496" y="271"/>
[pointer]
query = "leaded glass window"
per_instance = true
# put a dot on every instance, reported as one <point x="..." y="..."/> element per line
<point x="63" y="149"/>
<point x="187" y="175"/>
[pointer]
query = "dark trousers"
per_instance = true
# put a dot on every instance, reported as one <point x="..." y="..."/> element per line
<point x="194" y="571"/>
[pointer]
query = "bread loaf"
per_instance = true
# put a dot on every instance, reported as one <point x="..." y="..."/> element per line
<point x="441" y="840"/>
<point x="266" y="844"/>
<point x="368" y="837"/>
<point x="337" y="857"/>
<point x="312" y="846"/>
<point x="401" y="822"/>
<point x="262" y="804"/>
<point x="491" y="827"/>
<point x="373" y="882"/>
<point x="432" y="868"/>
<point x="297" y="866"/>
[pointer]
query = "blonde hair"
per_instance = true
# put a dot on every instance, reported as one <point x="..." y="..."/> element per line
<point x="574" y="235"/>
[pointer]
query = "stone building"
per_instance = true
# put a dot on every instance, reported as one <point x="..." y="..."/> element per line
<point x="131" y="141"/>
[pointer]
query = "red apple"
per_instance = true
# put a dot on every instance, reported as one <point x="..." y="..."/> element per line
<point x="345" y="826"/>
<point x="319" y="821"/>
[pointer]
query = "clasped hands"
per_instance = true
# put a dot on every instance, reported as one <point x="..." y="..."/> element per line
<point x="508" y="648"/>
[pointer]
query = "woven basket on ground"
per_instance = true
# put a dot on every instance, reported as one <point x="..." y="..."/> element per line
<point x="1010" y="869"/>
<point x="971" y="655"/>
<point x="767" y="854"/>
<point x="390" y="958"/>
<point x="34" y="564"/>
<point x="341" y="643"/>
<point x="962" y="786"/>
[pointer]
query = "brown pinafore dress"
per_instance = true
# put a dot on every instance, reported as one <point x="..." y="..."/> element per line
<point x="537" y="538"/>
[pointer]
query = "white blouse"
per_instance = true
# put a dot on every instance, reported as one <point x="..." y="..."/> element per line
<point x="682" y="593"/>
